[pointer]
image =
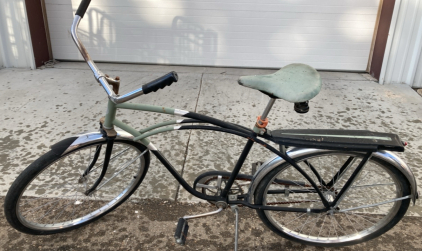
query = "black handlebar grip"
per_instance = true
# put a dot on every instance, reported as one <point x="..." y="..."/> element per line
<point x="160" y="82"/>
<point x="82" y="8"/>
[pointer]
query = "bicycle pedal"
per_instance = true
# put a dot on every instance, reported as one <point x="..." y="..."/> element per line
<point x="181" y="231"/>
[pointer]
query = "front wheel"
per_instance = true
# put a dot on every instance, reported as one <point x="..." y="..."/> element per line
<point x="375" y="202"/>
<point x="50" y="196"/>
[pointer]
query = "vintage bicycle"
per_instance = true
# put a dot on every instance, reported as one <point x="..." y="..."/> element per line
<point x="323" y="187"/>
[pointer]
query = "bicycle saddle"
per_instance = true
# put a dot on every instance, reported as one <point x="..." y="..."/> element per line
<point x="294" y="83"/>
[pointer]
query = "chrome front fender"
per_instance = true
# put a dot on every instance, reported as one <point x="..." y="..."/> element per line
<point x="293" y="153"/>
<point x="93" y="137"/>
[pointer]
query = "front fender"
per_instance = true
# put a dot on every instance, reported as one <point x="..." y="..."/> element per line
<point x="293" y="153"/>
<point x="72" y="143"/>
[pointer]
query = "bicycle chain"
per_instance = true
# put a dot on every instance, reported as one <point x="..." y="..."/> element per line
<point x="272" y="203"/>
<point x="214" y="178"/>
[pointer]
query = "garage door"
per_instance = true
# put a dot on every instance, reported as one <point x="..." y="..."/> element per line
<point x="326" y="34"/>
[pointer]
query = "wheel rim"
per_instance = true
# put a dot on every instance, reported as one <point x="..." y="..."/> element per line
<point x="55" y="198"/>
<point x="341" y="226"/>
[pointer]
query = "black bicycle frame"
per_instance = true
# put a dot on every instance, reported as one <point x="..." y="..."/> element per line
<point x="238" y="130"/>
<point x="252" y="138"/>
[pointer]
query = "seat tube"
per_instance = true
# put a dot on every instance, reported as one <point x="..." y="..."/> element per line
<point x="237" y="168"/>
<point x="110" y="115"/>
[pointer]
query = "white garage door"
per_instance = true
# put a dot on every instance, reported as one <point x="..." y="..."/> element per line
<point x="326" y="34"/>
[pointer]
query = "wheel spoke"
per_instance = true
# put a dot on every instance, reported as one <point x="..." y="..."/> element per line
<point x="54" y="199"/>
<point x="46" y="204"/>
<point x="373" y="185"/>
<point x="369" y="205"/>
<point x="304" y="224"/>
<point x="112" y="159"/>
<point x="319" y="216"/>
<point x="296" y="218"/>
<point x="377" y="204"/>
<point x="42" y="217"/>
<point x="124" y="166"/>
<point x="325" y="216"/>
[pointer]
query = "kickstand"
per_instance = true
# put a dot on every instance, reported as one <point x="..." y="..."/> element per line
<point x="235" y="210"/>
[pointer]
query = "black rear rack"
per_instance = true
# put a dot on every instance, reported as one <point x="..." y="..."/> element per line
<point x="352" y="140"/>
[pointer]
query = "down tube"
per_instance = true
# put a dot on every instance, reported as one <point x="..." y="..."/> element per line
<point x="236" y="170"/>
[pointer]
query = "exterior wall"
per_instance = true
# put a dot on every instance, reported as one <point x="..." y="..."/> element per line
<point x="326" y="34"/>
<point x="1" y="55"/>
<point x="16" y="45"/>
<point x="37" y="29"/>
<point x="403" y="58"/>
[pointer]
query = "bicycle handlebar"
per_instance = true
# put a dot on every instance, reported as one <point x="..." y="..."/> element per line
<point x="160" y="83"/>
<point x="152" y="86"/>
<point x="83" y="6"/>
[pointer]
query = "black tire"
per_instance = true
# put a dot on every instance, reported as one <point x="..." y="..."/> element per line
<point x="348" y="224"/>
<point x="49" y="195"/>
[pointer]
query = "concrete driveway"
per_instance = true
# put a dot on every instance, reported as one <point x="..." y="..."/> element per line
<point x="43" y="106"/>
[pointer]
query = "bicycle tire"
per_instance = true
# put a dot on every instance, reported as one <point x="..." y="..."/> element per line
<point x="358" y="218"/>
<point x="49" y="195"/>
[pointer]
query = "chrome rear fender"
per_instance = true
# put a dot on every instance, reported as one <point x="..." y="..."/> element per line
<point x="80" y="140"/>
<point x="293" y="153"/>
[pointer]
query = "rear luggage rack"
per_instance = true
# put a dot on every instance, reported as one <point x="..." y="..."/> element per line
<point x="354" y="140"/>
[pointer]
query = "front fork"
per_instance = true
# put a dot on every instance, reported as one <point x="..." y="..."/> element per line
<point x="110" y="142"/>
<point x="94" y="160"/>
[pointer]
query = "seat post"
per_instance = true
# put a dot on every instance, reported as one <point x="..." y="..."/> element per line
<point x="267" y="109"/>
<point x="262" y="120"/>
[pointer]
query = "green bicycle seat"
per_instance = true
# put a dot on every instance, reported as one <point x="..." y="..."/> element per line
<point x="294" y="83"/>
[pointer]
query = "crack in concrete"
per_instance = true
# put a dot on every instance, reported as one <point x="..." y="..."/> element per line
<point x="190" y="133"/>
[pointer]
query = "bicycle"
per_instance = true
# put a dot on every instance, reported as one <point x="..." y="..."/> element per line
<point x="323" y="187"/>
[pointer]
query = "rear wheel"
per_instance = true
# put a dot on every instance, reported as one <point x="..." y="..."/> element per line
<point x="50" y="196"/>
<point x="375" y="202"/>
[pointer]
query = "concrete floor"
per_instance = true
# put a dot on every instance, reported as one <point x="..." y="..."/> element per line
<point x="41" y="107"/>
<point x="143" y="226"/>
